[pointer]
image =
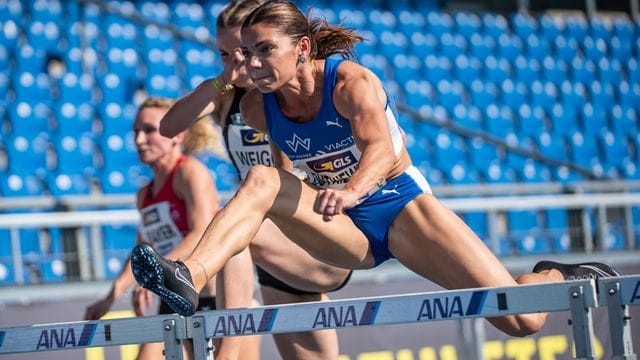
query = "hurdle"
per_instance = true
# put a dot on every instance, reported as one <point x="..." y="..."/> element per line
<point x="577" y="297"/>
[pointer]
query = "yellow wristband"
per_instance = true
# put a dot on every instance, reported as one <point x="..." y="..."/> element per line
<point x="220" y="87"/>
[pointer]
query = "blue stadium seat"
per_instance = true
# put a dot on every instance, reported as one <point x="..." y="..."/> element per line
<point x="45" y="34"/>
<point x="594" y="119"/>
<point x="533" y="172"/>
<point x="467" y="24"/>
<point x="5" y="58"/>
<point x="15" y="185"/>
<point x="523" y="24"/>
<point x="75" y="89"/>
<point x="509" y="47"/>
<point x="157" y="10"/>
<point x="550" y="27"/>
<point x="9" y="33"/>
<point x="576" y="27"/>
<point x="119" y="150"/>
<point x="481" y="153"/>
<point x="602" y="94"/>
<point x="117" y="119"/>
<point x="594" y="49"/>
<point x="497" y="173"/>
<point x="119" y="237"/>
<point x="544" y="94"/>
<point x="30" y="59"/>
<point x="481" y="46"/>
<point x="555" y="71"/>
<point x="352" y="17"/>
<point x="452" y="45"/>
<point x="467" y="69"/>
<point x="74" y="119"/>
<point x="515" y="161"/>
<point x="633" y="71"/>
<point x="527" y="70"/>
<point x="514" y="94"/>
<point x="381" y="20"/>
<point x="75" y="154"/>
<point x="406" y="67"/>
<point x="497" y="70"/>
<point x="615" y="148"/>
<point x="477" y="221"/>
<point x="449" y="150"/>
<point x="123" y="180"/>
<point x="369" y="46"/>
<point x="494" y="24"/>
<point x="123" y="62"/>
<point x="584" y="71"/>
<point x="438" y="23"/>
<point x="461" y="174"/>
<point x="28" y="118"/>
<point x="28" y="155"/>
<point x="537" y="47"/>
<point x="583" y="151"/>
<point x="422" y="44"/>
<point x="418" y="93"/>
<point x="468" y="117"/>
<point x="629" y="95"/>
<point x="11" y="10"/>
<point x="621" y="50"/>
<point x="410" y="22"/>
<point x="483" y="94"/>
<point x="573" y="97"/>
<point x="437" y="68"/>
<point x="565" y="48"/>
<point x="499" y="121"/>
<point x="165" y="86"/>
<point x="531" y="120"/>
<point x="32" y="86"/>
<point x="624" y="119"/>
<point x="114" y="88"/>
<point x="393" y="43"/>
<point x="450" y="94"/>
<point x="552" y="146"/>
<point x="600" y="28"/>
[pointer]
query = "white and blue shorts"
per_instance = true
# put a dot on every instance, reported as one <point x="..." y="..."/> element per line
<point x="376" y="213"/>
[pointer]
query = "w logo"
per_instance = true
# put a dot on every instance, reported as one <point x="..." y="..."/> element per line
<point x="297" y="141"/>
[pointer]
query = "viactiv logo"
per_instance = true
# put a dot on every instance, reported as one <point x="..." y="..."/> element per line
<point x="334" y="163"/>
<point x="251" y="137"/>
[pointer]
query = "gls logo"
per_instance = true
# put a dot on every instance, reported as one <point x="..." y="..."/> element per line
<point x="251" y="137"/>
<point x="333" y="163"/>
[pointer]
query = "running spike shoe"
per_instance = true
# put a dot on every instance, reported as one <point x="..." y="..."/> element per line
<point x="171" y="280"/>
<point x="588" y="270"/>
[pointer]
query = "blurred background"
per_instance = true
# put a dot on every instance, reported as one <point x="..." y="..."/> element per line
<point x="523" y="115"/>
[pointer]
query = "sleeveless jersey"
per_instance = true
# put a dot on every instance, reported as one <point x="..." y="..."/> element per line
<point x="324" y="148"/>
<point x="164" y="216"/>
<point x="246" y="147"/>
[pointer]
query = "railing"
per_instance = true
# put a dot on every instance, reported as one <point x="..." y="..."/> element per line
<point x="493" y="206"/>
<point x="577" y="297"/>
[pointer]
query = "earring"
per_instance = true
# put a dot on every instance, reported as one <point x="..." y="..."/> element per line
<point x="302" y="59"/>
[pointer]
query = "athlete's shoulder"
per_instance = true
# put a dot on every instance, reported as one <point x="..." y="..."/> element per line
<point x="350" y="72"/>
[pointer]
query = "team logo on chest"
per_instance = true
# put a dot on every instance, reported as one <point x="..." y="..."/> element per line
<point x="297" y="141"/>
<point x="334" y="163"/>
<point x="251" y="137"/>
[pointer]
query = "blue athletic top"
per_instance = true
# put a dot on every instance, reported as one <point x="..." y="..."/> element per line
<point x="324" y="147"/>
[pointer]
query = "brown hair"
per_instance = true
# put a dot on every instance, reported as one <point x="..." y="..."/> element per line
<point x="201" y="137"/>
<point x="326" y="39"/>
<point x="235" y="12"/>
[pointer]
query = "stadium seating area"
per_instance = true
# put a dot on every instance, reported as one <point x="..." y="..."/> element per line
<point x="563" y="85"/>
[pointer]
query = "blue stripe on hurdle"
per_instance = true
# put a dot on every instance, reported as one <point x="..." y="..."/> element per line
<point x="268" y="318"/>
<point x="369" y="314"/>
<point x="477" y="302"/>
<point x="2" y="333"/>
<point x="87" y="334"/>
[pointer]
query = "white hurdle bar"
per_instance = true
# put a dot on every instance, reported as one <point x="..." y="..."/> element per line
<point x="578" y="297"/>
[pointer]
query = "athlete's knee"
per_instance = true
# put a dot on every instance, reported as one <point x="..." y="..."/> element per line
<point x="261" y="181"/>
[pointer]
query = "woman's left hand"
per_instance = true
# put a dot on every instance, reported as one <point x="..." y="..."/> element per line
<point x="142" y="300"/>
<point x="331" y="202"/>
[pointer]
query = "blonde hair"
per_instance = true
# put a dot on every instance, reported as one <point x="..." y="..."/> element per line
<point x="201" y="137"/>
<point x="326" y="39"/>
<point x="235" y="12"/>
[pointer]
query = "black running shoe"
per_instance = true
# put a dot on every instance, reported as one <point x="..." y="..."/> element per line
<point x="171" y="280"/>
<point x="589" y="270"/>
